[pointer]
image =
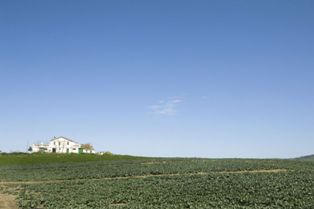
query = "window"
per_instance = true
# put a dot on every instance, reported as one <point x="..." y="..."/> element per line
<point x="68" y="143"/>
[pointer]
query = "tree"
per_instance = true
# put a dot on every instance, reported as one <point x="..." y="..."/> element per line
<point x="87" y="146"/>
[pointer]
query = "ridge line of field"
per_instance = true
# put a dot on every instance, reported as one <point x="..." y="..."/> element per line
<point x="143" y="176"/>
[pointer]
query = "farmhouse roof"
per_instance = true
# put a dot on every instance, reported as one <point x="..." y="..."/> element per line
<point x="63" y="138"/>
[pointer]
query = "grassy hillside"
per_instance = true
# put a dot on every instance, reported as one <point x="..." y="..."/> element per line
<point x="307" y="158"/>
<point x="44" y="158"/>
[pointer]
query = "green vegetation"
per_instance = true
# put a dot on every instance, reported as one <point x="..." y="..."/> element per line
<point x="126" y="182"/>
<point x="307" y="158"/>
<point x="43" y="158"/>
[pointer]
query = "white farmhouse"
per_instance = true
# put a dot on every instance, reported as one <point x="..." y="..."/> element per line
<point x="60" y="145"/>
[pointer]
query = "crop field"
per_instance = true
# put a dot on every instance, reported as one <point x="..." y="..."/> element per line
<point x="124" y="182"/>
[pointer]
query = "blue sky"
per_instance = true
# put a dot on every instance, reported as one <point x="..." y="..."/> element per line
<point x="199" y="78"/>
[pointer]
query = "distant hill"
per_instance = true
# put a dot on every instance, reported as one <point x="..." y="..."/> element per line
<point x="307" y="158"/>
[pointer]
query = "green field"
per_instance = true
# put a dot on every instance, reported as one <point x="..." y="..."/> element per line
<point x="124" y="182"/>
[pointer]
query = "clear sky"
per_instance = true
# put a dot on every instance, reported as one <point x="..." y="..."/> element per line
<point x="206" y="78"/>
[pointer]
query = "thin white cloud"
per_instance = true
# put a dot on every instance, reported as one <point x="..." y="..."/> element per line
<point x="168" y="107"/>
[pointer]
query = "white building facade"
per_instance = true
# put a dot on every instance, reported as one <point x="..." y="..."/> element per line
<point x="59" y="145"/>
